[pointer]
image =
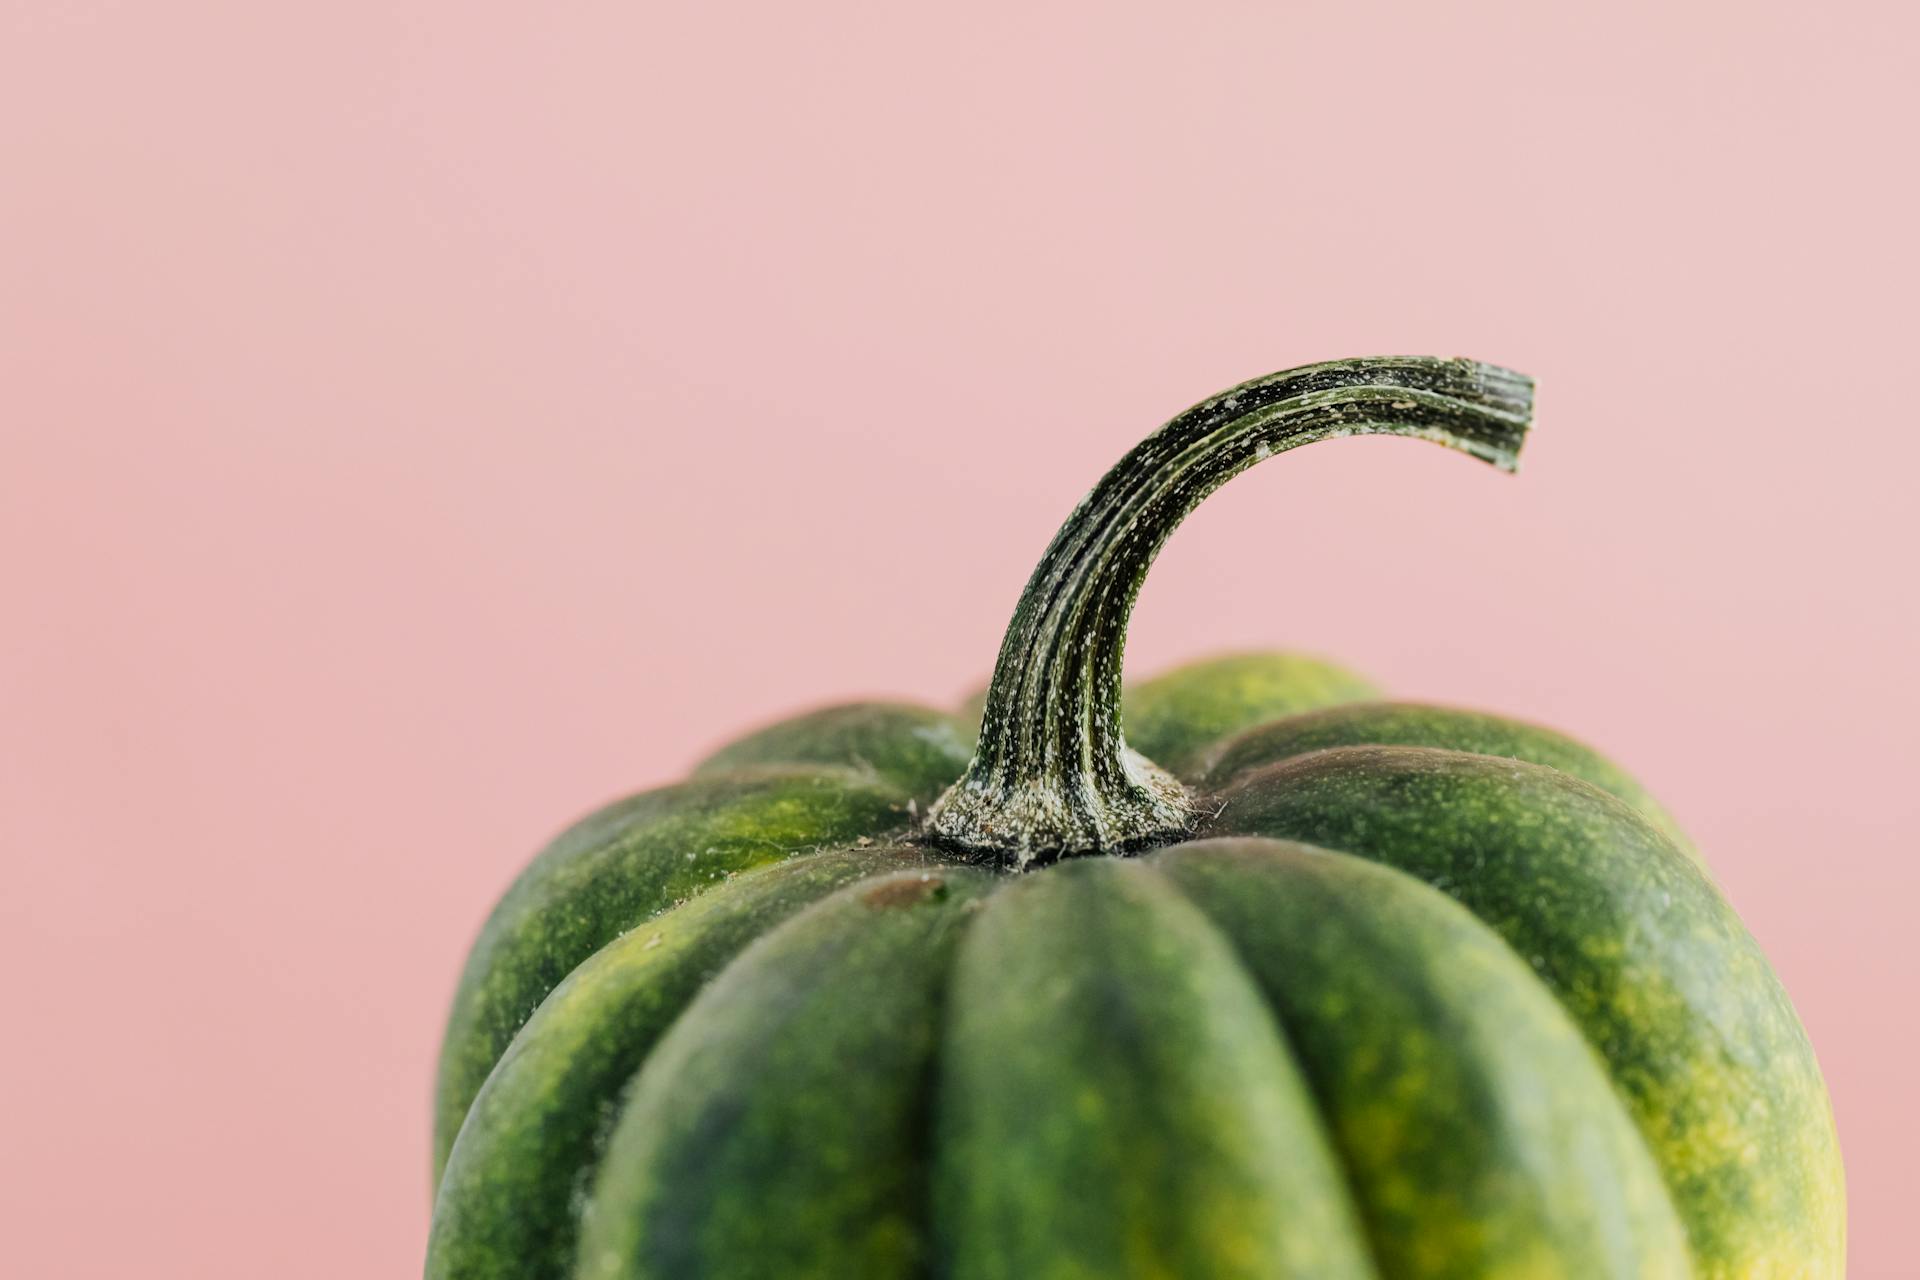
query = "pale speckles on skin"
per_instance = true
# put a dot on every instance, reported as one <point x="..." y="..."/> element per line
<point x="1131" y="1062"/>
<point x="515" y="1186"/>
<point x="771" y="1132"/>
<point x="1420" y="725"/>
<point x="1634" y="940"/>
<point x="622" y="865"/>
<point x="1429" y="1046"/>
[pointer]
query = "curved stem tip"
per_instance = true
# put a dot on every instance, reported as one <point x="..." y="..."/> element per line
<point x="1052" y="776"/>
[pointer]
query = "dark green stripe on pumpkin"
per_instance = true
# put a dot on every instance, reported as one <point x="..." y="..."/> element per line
<point x="620" y="865"/>
<point x="781" y="1128"/>
<point x="1480" y="1132"/>
<point x="1638" y="946"/>
<point x="1115" y="1099"/>
<point x="510" y="1199"/>
<point x="1407" y="724"/>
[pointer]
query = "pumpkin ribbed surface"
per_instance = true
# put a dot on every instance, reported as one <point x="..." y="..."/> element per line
<point x="1266" y="978"/>
<point x="1398" y="1010"/>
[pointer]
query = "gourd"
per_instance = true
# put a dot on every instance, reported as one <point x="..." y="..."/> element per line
<point x="1269" y="979"/>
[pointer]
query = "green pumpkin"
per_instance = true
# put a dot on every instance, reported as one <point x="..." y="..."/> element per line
<point x="1337" y="988"/>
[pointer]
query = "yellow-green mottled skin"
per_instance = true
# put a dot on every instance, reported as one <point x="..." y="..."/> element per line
<point x="528" y="1131"/>
<point x="1265" y="980"/>
<point x="780" y="1129"/>
<point x="1398" y="1010"/>
<point x="1118" y="1100"/>
<point x="1401" y="724"/>
<point x="626" y="863"/>
<point x="1640" y="949"/>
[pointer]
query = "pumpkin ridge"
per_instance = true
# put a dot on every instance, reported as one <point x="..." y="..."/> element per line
<point x="1432" y="726"/>
<point x="1337" y="1154"/>
<point x="539" y="1126"/>
<point x="1635" y="943"/>
<point x="1117" y="1100"/>
<point x="1435" y="1015"/>
<point x="625" y="863"/>
<point x="770" y="1131"/>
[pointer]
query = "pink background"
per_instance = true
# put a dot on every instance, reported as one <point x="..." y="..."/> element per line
<point x="424" y="421"/>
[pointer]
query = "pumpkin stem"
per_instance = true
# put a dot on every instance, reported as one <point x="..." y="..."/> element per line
<point x="1053" y="776"/>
